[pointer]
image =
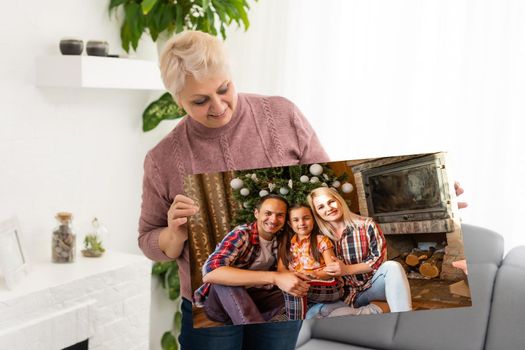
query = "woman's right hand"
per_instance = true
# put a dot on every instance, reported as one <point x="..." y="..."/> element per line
<point x="177" y="216"/>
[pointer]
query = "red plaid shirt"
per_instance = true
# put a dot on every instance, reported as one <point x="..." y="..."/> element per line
<point x="239" y="248"/>
<point x="364" y="243"/>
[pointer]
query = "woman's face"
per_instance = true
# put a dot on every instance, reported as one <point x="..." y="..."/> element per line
<point x="301" y="221"/>
<point x="210" y="102"/>
<point x="327" y="208"/>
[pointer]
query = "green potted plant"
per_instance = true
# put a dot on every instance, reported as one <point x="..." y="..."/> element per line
<point x="165" y="17"/>
<point x="93" y="246"/>
<point x="169" y="16"/>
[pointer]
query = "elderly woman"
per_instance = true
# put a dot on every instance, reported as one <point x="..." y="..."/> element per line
<point x="223" y="130"/>
<point x="360" y="248"/>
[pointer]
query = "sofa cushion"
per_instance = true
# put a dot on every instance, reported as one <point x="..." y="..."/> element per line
<point x="316" y="344"/>
<point x="372" y="331"/>
<point x="507" y="320"/>
<point x="458" y="328"/>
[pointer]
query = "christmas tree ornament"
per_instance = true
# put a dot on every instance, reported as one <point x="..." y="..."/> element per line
<point x="347" y="187"/>
<point x="271" y="186"/>
<point x="314" y="179"/>
<point x="283" y="191"/>
<point x="336" y="184"/>
<point x="324" y="184"/>
<point x="246" y="205"/>
<point x="236" y="183"/>
<point x="263" y="193"/>
<point x="304" y="179"/>
<point x="290" y="183"/>
<point x="326" y="177"/>
<point x="245" y="192"/>
<point x="254" y="177"/>
<point x="316" y="169"/>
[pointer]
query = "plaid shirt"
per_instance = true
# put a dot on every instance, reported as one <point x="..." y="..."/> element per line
<point x="364" y="243"/>
<point x="239" y="248"/>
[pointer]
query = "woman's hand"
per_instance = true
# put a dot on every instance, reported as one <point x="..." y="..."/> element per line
<point x="177" y="216"/>
<point x="172" y="238"/>
<point x="461" y="264"/>
<point x="336" y="268"/>
<point x="459" y="191"/>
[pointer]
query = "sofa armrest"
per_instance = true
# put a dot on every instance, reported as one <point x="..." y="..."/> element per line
<point x="482" y="245"/>
<point x="507" y="317"/>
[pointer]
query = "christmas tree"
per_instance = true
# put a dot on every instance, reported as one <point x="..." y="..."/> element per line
<point x="293" y="183"/>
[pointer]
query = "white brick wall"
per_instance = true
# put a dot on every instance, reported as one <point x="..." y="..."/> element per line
<point x="106" y="300"/>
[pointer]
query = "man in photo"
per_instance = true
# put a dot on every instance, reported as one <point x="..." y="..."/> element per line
<point x="241" y="284"/>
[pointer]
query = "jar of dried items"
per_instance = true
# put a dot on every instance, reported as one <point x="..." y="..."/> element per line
<point x="63" y="243"/>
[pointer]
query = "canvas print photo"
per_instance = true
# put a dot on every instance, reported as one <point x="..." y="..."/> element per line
<point x="345" y="238"/>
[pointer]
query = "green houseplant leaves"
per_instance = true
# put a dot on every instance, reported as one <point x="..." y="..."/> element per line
<point x="163" y="108"/>
<point x="157" y="16"/>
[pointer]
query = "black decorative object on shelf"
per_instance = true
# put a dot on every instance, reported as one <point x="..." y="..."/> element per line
<point x="97" y="48"/>
<point x="71" y="46"/>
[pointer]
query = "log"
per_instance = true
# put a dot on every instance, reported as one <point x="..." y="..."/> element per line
<point x="432" y="267"/>
<point x="416" y="255"/>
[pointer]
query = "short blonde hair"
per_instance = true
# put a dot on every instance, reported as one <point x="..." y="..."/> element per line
<point x="191" y="53"/>
<point x="349" y="218"/>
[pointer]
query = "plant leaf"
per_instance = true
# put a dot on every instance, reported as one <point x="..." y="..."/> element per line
<point x="159" y="268"/>
<point x="179" y="18"/>
<point x="115" y="3"/>
<point x="239" y="5"/>
<point x="133" y="26"/>
<point x="177" y="320"/>
<point x="168" y="342"/>
<point x="205" y="4"/>
<point x="163" y="108"/>
<point x="147" y="5"/>
<point x="173" y="282"/>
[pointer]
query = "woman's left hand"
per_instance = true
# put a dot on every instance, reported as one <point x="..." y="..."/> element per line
<point x="335" y="268"/>
<point x="459" y="191"/>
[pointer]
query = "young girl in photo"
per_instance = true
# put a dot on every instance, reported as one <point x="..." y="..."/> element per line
<point x="306" y="251"/>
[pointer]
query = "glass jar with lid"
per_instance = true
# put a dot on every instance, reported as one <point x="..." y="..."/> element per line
<point x="63" y="242"/>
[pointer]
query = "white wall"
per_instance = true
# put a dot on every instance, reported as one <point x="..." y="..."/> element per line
<point x="398" y="77"/>
<point x="79" y="150"/>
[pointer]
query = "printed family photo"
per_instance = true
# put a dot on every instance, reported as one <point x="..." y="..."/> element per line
<point x="346" y="238"/>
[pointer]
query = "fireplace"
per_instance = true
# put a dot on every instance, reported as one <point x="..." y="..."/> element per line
<point x="409" y="197"/>
<point x="411" y="191"/>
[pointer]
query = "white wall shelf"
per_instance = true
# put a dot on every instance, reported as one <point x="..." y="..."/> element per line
<point x="97" y="72"/>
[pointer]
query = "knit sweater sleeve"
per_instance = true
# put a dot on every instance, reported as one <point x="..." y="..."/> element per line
<point x="154" y="206"/>
<point x="310" y="148"/>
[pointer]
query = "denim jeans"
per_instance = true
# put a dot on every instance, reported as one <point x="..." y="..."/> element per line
<point x="262" y="336"/>
<point x="389" y="283"/>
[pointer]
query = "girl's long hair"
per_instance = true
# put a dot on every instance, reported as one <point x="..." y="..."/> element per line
<point x="286" y="237"/>
<point x="349" y="218"/>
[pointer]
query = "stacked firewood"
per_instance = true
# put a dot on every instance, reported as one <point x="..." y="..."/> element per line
<point x="427" y="262"/>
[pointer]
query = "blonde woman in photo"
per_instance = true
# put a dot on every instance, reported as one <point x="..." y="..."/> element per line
<point x="360" y="249"/>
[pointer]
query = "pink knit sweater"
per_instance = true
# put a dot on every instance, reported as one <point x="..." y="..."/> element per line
<point x="264" y="132"/>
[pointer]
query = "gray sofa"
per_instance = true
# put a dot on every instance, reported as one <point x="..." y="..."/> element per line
<point x="495" y="321"/>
